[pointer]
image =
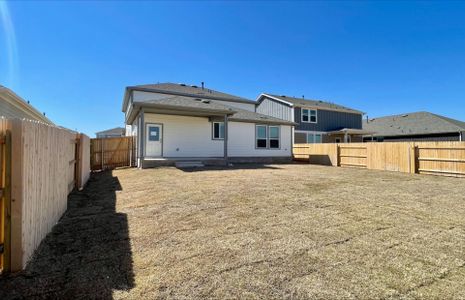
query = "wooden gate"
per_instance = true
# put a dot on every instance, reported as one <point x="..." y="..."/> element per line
<point x="109" y="153"/>
<point x="5" y="200"/>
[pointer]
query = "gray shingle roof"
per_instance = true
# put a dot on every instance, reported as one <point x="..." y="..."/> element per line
<point x="186" y="103"/>
<point x="188" y="90"/>
<point x="315" y="103"/>
<point x="416" y="123"/>
<point x="253" y="117"/>
<point x="189" y="104"/>
<point x="113" y="131"/>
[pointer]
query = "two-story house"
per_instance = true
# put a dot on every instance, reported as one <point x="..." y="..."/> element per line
<point x="317" y="121"/>
<point x="194" y="125"/>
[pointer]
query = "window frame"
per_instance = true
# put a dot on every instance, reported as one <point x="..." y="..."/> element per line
<point x="309" y="115"/>
<point x="257" y="138"/>
<point x="314" y="136"/>
<point x="219" y="133"/>
<point x="270" y="138"/>
<point x="267" y="139"/>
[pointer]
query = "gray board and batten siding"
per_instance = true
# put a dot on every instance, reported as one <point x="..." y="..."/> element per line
<point x="328" y="120"/>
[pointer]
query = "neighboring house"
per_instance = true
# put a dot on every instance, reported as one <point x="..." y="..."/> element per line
<point x="114" y="132"/>
<point x="13" y="106"/>
<point x="175" y="122"/>
<point x="317" y="121"/>
<point x="417" y="126"/>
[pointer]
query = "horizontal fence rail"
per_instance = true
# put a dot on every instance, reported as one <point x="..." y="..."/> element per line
<point x="435" y="158"/>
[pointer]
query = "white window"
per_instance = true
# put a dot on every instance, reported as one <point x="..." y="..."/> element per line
<point x="267" y="137"/>
<point x="309" y="115"/>
<point x="262" y="136"/>
<point x="218" y="130"/>
<point x="314" y="138"/>
<point x="274" y="137"/>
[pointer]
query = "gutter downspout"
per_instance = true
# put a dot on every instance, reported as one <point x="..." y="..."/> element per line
<point x="142" y="138"/>
<point x="226" y="139"/>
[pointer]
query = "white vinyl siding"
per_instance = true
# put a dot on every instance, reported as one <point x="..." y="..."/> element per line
<point x="275" y="109"/>
<point x="192" y="137"/>
<point x="241" y="141"/>
<point x="186" y="136"/>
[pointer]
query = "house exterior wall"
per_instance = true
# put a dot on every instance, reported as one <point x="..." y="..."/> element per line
<point x="12" y="106"/>
<point x="328" y="120"/>
<point x="9" y="111"/>
<point x="184" y="136"/>
<point x="275" y="109"/>
<point x="241" y="142"/>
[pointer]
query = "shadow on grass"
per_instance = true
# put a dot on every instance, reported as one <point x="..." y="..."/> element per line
<point x="244" y="166"/>
<point x="87" y="254"/>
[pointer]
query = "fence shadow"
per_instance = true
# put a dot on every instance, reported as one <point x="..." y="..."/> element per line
<point x="87" y="254"/>
<point x="318" y="159"/>
<point x="244" y="166"/>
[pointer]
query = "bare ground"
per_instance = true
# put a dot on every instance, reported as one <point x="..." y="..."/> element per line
<point x="280" y="231"/>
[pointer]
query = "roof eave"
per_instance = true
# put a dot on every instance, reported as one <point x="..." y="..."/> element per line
<point x="264" y="121"/>
<point x="183" y="108"/>
<point x="141" y="89"/>
<point x="26" y="106"/>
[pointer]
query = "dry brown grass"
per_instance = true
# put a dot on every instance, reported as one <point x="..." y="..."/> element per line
<point x="293" y="231"/>
<point x="282" y="231"/>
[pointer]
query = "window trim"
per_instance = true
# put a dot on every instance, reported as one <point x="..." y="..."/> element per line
<point x="256" y="136"/>
<point x="309" y="115"/>
<point x="213" y="131"/>
<point x="279" y="137"/>
<point x="267" y="137"/>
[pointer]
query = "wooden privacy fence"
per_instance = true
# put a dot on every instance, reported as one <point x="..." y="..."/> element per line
<point x="39" y="166"/>
<point x="435" y="158"/>
<point x="110" y="153"/>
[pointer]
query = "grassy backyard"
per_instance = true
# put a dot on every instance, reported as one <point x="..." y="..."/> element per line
<point x="292" y="231"/>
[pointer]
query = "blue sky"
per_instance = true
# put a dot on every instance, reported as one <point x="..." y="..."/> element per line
<point x="74" y="59"/>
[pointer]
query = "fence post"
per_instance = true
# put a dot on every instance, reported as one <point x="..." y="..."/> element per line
<point x="413" y="158"/>
<point x="102" y="142"/>
<point x="338" y="155"/>
<point x="16" y="242"/>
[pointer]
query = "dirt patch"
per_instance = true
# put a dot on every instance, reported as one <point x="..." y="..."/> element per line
<point x="281" y="231"/>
